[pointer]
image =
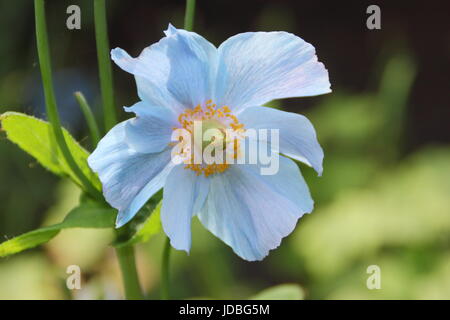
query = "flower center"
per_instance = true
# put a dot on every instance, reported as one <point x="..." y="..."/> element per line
<point x="214" y="131"/>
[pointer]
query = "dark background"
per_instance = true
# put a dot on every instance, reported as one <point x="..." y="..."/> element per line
<point x="415" y="36"/>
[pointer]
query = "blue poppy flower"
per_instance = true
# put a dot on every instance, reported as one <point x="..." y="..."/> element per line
<point x="184" y="76"/>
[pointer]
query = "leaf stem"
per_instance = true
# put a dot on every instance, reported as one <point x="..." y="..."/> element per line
<point x="125" y="255"/>
<point x="89" y="116"/>
<point x="165" y="291"/>
<point x="104" y="64"/>
<point x="189" y="15"/>
<point x="51" y="107"/>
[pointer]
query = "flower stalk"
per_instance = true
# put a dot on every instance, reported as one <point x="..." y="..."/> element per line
<point x="189" y="15"/>
<point x="50" y="99"/>
<point x="165" y="287"/>
<point x="104" y="64"/>
<point x="126" y="257"/>
<point x="125" y="254"/>
<point x="165" y="292"/>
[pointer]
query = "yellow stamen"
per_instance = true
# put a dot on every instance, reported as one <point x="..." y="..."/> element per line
<point x="211" y="117"/>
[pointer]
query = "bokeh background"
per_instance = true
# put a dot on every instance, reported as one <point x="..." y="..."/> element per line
<point x="384" y="197"/>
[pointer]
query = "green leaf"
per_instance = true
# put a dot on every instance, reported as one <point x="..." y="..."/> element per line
<point x="89" y="215"/>
<point x="281" y="292"/>
<point x="149" y="228"/>
<point x="35" y="137"/>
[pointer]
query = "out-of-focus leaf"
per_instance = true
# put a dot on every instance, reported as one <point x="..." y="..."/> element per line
<point x="361" y="134"/>
<point x="35" y="137"/>
<point x="90" y="215"/>
<point x="149" y="228"/>
<point x="405" y="206"/>
<point x="281" y="292"/>
<point x="396" y="83"/>
<point x="28" y="277"/>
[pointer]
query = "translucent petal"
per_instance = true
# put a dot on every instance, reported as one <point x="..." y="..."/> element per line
<point x="129" y="178"/>
<point x="257" y="67"/>
<point x="152" y="128"/>
<point x="184" y="195"/>
<point x="297" y="137"/>
<point x="177" y="72"/>
<point x="251" y="212"/>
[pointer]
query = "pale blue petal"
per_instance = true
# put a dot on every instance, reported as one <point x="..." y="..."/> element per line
<point x="251" y="212"/>
<point x="298" y="138"/>
<point x="184" y="195"/>
<point x="152" y="128"/>
<point x="154" y="185"/>
<point x="177" y="72"/>
<point x="257" y="67"/>
<point x="129" y="178"/>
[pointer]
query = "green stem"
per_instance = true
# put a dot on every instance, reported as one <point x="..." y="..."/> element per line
<point x="125" y="255"/>
<point x="104" y="64"/>
<point x="188" y="25"/>
<point x="189" y="15"/>
<point x="51" y="107"/>
<point x="165" y="292"/>
<point x="89" y="116"/>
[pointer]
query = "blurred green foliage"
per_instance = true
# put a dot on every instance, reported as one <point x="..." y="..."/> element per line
<point x="375" y="205"/>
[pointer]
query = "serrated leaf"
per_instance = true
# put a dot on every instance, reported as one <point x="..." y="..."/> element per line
<point x="90" y="215"/>
<point x="149" y="228"/>
<point x="35" y="137"/>
<point x="281" y="292"/>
